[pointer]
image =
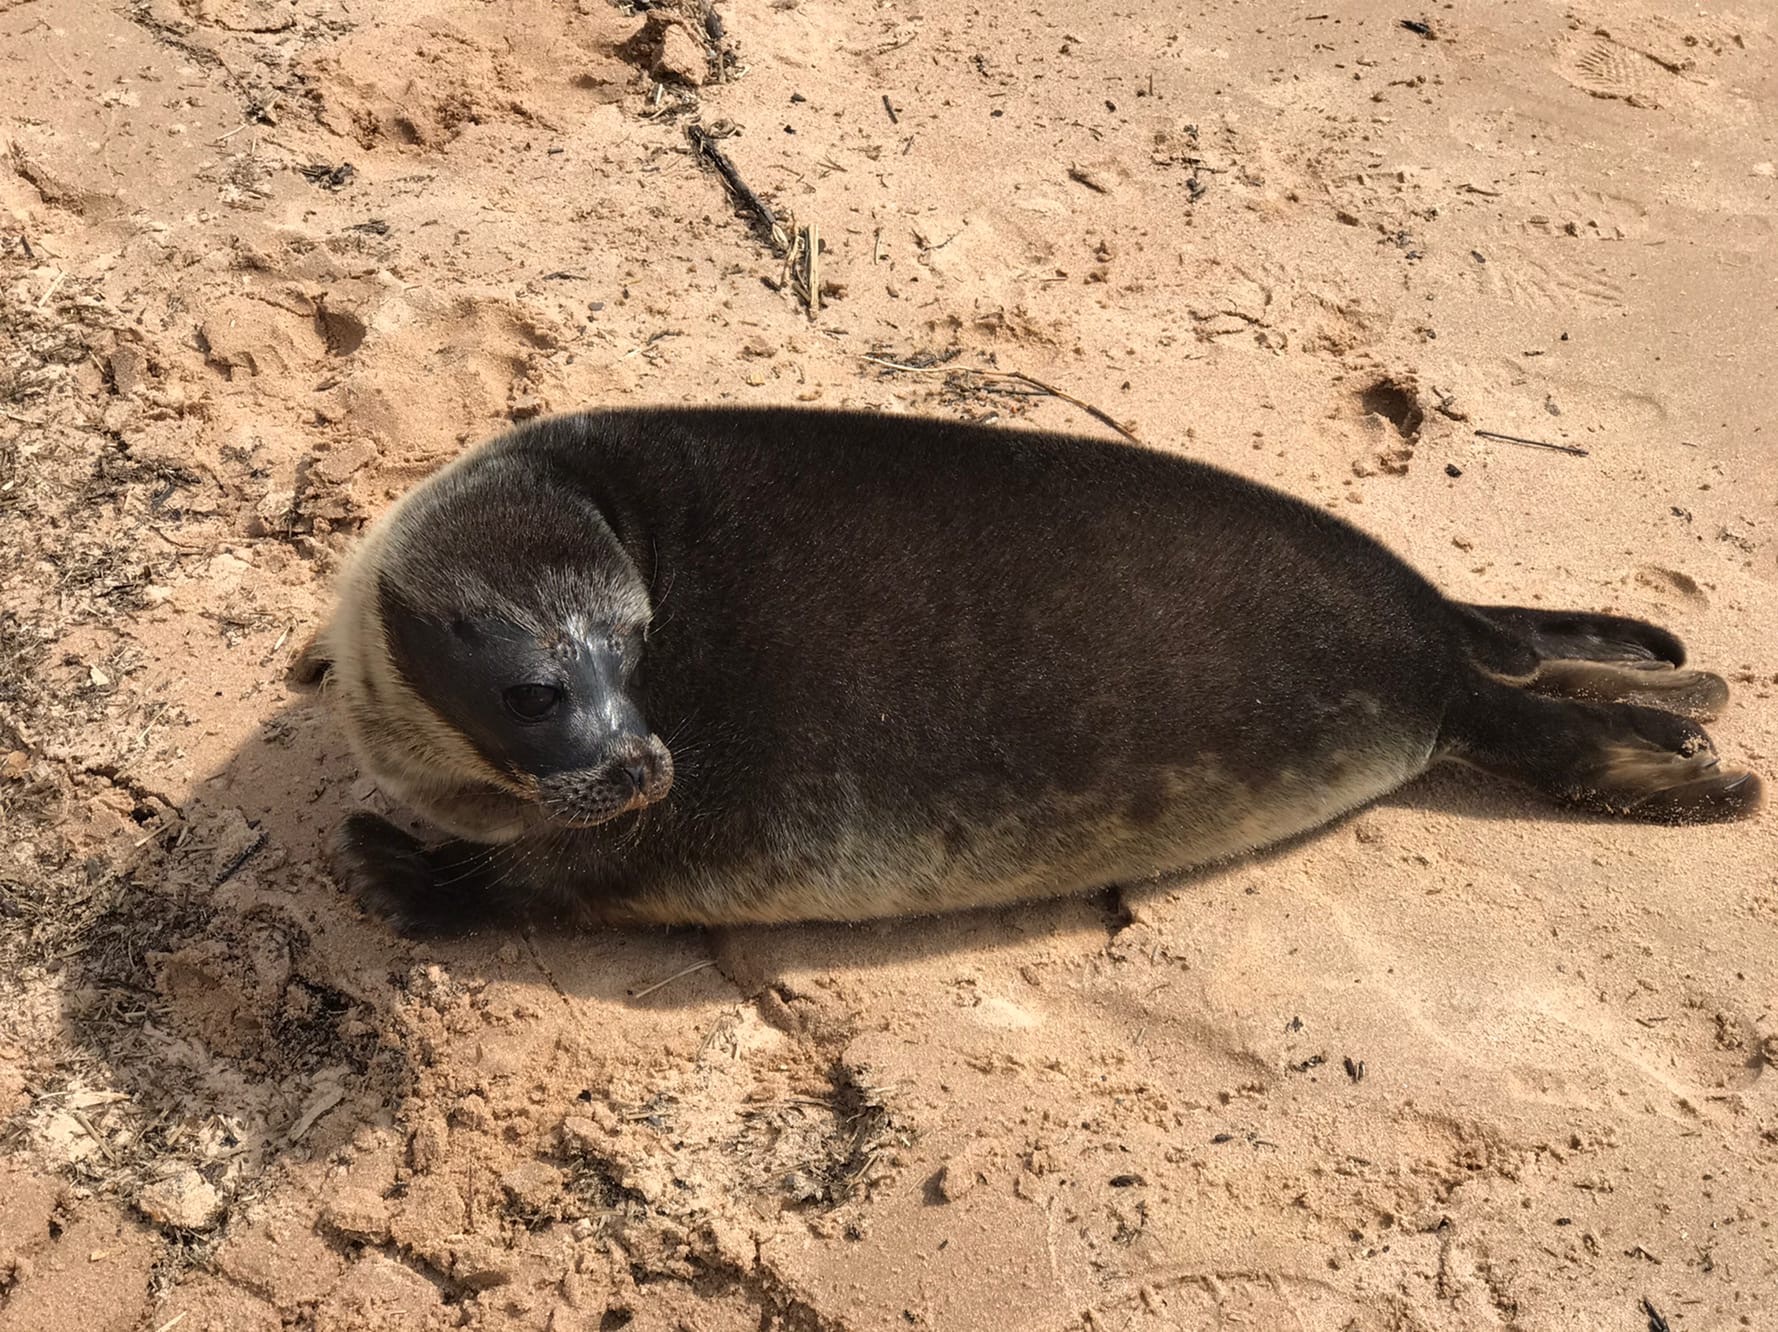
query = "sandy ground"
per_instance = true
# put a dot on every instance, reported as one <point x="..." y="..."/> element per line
<point x="1458" y="1063"/>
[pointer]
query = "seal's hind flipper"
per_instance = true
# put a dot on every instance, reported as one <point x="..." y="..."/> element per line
<point x="1609" y="758"/>
<point x="1699" y="695"/>
<point x="1602" y="658"/>
<point x="422" y="891"/>
<point x="1583" y="635"/>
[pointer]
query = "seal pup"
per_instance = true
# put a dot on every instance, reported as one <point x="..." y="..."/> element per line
<point x="713" y="666"/>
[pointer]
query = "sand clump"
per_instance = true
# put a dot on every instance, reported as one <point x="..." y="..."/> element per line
<point x="184" y="1201"/>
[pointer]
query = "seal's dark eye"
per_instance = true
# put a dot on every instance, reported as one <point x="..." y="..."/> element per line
<point x="532" y="702"/>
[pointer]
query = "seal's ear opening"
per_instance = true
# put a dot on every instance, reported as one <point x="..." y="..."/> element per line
<point x="309" y="671"/>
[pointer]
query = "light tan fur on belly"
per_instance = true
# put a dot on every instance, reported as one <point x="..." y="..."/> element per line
<point x="878" y="869"/>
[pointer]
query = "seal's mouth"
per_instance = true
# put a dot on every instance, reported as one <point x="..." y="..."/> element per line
<point x="637" y="775"/>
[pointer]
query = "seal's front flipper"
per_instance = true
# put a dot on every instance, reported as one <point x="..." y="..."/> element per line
<point x="1699" y="695"/>
<point x="455" y="888"/>
<point x="311" y="665"/>
<point x="1609" y="758"/>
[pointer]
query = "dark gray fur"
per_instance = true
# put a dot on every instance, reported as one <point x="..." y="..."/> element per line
<point x="998" y="647"/>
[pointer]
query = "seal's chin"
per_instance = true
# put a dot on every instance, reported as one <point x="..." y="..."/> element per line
<point x="639" y="776"/>
<point x="593" y="818"/>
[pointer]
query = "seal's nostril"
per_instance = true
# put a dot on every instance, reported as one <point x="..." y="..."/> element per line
<point x="637" y="772"/>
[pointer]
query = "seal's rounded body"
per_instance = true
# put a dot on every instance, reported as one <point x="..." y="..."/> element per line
<point x="900" y="665"/>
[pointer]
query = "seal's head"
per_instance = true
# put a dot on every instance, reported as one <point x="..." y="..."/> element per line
<point x="489" y="647"/>
<point x="545" y="700"/>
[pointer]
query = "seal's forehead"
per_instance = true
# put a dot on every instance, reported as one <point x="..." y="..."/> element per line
<point x="501" y="540"/>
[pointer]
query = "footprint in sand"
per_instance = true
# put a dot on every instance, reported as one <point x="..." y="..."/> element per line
<point x="1647" y="61"/>
<point x="1559" y="281"/>
<point x="1602" y="67"/>
<point x="1673" y="584"/>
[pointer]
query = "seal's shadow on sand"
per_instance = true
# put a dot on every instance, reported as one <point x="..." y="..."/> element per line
<point x="231" y="938"/>
<point x="275" y="781"/>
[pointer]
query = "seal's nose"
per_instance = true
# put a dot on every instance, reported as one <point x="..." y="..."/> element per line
<point x="637" y="771"/>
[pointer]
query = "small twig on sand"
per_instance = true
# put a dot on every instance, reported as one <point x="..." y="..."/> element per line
<point x="93" y="1133"/>
<point x="319" y="1104"/>
<point x="708" y="150"/>
<point x="1574" y="449"/>
<point x="800" y="245"/>
<point x="647" y="990"/>
<point x="793" y="253"/>
<point x="246" y="853"/>
<point x="543" y="966"/>
<point x="260" y="116"/>
<point x="1081" y="176"/>
<point x="890" y="108"/>
<point x="179" y="545"/>
<point x="1017" y="376"/>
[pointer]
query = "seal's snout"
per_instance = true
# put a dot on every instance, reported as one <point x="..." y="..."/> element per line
<point x="638" y="772"/>
<point x="647" y="765"/>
